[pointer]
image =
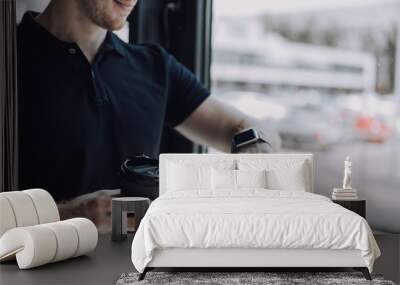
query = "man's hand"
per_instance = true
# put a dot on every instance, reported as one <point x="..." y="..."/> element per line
<point x="94" y="206"/>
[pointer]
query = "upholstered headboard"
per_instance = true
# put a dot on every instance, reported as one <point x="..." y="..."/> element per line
<point x="210" y="159"/>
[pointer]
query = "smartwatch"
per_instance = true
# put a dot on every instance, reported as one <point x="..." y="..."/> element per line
<point x="246" y="137"/>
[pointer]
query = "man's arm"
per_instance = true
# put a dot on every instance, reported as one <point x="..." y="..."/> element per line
<point x="214" y="123"/>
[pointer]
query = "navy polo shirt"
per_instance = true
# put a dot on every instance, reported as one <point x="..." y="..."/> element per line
<point x="78" y="121"/>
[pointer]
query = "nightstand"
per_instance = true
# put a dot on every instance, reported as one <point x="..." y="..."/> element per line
<point x="357" y="206"/>
<point x="120" y="207"/>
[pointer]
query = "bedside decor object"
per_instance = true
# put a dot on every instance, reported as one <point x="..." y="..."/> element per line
<point x="346" y="192"/>
<point x="120" y="207"/>
<point x="347" y="174"/>
<point x="31" y="231"/>
<point x="357" y="206"/>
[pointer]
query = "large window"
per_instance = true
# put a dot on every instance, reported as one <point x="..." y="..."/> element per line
<point x="324" y="74"/>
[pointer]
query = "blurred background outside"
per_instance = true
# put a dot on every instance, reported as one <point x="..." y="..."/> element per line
<point x="324" y="74"/>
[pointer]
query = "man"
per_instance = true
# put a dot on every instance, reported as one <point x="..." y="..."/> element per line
<point x="87" y="100"/>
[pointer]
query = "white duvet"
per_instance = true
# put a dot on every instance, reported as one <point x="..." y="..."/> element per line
<point x="250" y="219"/>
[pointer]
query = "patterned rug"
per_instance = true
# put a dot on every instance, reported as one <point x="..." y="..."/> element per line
<point x="244" y="278"/>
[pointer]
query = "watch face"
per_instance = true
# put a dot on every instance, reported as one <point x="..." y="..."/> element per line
<point x="244" y="137"/>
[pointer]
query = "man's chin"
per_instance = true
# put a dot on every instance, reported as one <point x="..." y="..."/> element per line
<point x="118" y="27"/>
<point x="114" y="25"/>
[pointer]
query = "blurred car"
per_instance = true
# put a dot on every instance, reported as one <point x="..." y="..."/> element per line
<point x="367" y="117"/>
<point x="308" y="120"/>
<point x="308" y="128"/>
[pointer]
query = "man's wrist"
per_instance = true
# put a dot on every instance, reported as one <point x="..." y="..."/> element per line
<point x="258" y="147"/>
<point x="263" y="138"/>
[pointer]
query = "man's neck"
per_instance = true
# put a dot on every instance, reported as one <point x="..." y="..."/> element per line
<point x="66" y="21"/>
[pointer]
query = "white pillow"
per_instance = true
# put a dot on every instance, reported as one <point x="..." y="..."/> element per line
<point x="290" y="179"/>
<point x="251" y="178"/>
<point x="223" y="179"/>
<point x="187" y="177"/>
<point x="282" y="174"/>
<point x="193" y="174"/>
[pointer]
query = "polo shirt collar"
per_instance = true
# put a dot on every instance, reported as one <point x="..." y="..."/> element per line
<point x="112" y="43"/>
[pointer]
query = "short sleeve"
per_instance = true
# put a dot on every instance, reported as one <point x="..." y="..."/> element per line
<point x="185" y="92"/>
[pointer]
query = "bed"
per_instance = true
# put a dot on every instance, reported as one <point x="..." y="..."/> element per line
<point x="247" y="211"/>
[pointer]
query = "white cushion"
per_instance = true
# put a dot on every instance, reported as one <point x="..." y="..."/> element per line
<point x="7" y="218"/>
<point x="34" y="244"/>
<point x="223" y="179"/>
<point x="251" y="179"/>
<point x="291" y="179"/>
<point x="87" y="233"/>
<point x="45" y="205"/>
<point x="67" y="240"/>
<point x="40" y="244"/>
<point x="187" y="174"/>
<point x="23" y="208"/>
<point x="231" y="180"/>
<point x="189" y="177"/>
<point x="282" y="174"/>
<point x="26" y="208"/>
